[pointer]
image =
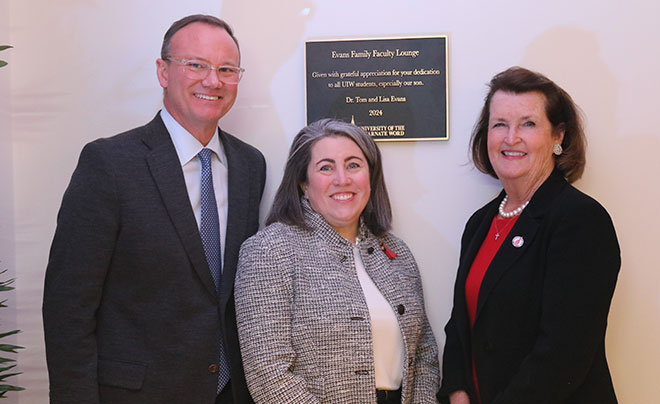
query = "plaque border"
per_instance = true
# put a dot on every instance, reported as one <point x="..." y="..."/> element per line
<point x="416" y="139"/>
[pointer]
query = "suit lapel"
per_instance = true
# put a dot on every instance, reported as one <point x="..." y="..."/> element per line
<point x="168" y="176"/>
<point x="466" y="263"/>
<point x="526" y="227"/>
<point x="476" y="240"/>
<point x="238" y="189"/>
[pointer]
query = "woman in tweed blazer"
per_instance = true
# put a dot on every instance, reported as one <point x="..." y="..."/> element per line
<point x="329" y="304"/>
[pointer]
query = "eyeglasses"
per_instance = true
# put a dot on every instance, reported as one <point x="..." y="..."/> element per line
<point x="197" y="70"/>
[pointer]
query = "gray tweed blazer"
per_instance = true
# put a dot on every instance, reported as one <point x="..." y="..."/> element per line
<point x="303" y="322"/>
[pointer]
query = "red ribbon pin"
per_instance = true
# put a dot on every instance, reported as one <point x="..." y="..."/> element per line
<point x="390" y="254"/>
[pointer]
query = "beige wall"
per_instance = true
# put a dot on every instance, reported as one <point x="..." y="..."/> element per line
<point x="85" y="69"/>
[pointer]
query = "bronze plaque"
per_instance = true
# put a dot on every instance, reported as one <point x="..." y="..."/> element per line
<point x="394" y="89"/>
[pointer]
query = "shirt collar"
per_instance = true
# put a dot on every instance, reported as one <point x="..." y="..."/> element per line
<point x="318" y="224"/>
<point x="186" y="145"/>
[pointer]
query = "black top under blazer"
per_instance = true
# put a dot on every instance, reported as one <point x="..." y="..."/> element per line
<point x="130" y="310"/>
<point x="539" y="330"/>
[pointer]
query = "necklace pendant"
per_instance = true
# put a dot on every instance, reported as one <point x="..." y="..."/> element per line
<point x="497" y="235"/>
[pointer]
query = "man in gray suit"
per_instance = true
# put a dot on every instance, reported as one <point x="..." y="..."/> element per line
<point x="135" y="308"/>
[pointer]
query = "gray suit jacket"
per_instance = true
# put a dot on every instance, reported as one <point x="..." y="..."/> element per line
<point x="304" y="324"/>
<point x="130" y="308"/>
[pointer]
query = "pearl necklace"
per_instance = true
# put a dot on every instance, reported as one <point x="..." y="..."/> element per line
<point x="514" y="212"/>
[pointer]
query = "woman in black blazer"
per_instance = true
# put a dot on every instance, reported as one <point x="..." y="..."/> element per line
<point x="538" y="264"/>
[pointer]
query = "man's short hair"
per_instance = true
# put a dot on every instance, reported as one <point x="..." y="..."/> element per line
<point x="206" y="19"/>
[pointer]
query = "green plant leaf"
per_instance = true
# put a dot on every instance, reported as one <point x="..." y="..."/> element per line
<point x="6" y="368"/>
<point x="6" y="364"/>
<point x="3" y="47"/>
<point x="6" y="285"/>
<point x="9" y="333"/>
<point x="3" y="63"/>
<point x="6" y="387"/>
<point x="10" y="348"/>
<point x="3" y="377"/>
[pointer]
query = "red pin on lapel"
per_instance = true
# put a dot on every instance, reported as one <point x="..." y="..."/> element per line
<point x="390" y="254"/>
<point x="518" y="241"/>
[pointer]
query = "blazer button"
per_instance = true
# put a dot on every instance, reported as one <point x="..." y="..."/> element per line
<point x="401" y="309"/>
<point x="370" y="250"/>
<point x="488" y="347"/>
<point x="213" y="368"/>
<point x="342" y="259"/>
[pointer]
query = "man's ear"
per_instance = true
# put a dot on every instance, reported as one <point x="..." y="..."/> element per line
<point x="162" y="72"/>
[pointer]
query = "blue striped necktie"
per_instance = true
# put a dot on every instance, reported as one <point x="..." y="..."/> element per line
<point x="209" y="229"/>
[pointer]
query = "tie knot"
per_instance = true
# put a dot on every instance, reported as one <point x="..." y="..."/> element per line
<point x="205" y="156"/>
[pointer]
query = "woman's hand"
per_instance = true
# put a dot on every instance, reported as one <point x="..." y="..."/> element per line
<point x="459" y="397"/>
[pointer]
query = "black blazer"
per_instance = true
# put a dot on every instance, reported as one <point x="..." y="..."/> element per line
<point x="130" y="308"/>
<point x="539" y="331"/>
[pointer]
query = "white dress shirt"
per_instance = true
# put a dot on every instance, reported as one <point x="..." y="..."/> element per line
<point x="187" y="147"/>
<point x="386" y="335"/>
